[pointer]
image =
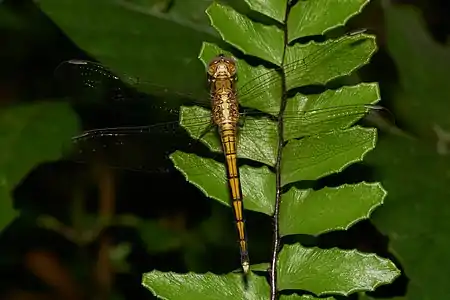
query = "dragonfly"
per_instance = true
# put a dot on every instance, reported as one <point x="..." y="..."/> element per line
<point x="303" y="116"/>
<point x="225" y="114"/>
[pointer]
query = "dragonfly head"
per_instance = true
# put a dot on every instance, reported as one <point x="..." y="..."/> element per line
<point x="222" y="67"/>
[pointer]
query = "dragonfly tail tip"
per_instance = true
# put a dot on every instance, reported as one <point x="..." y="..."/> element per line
<point x="245" y="267"/>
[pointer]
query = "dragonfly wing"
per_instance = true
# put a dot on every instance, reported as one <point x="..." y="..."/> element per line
<point x="204" y="130"/>
<point x="94" y="82"/>
<point x="258" y="138"/>
<point x="136" y="148"/>
<point x="323" y="62"/>
<point x="90" y="82"/>
<point x="144" y="148"/>
<point x="331" y="110"/>
<point x="305" y="64"/>
<point x="324" y="120"/>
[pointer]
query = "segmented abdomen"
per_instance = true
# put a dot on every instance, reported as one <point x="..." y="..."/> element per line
<point x="228" y="138"/>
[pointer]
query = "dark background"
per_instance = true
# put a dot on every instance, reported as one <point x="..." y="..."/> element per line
<point x="56" y="243"/>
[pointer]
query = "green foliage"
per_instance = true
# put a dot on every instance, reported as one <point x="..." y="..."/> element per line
<point x="415" y="169"/>
<point x="332" y="271"/>
<point x="30" y="134"/>
<point x="205" y="286"/>
<point x="273" y="9"/>
<point x="356" y="202"/>
<point x="317" y="17"/>
<point x="327" y="147"/>
<point x="316" y="156"/>
<point x="127" y="36"/>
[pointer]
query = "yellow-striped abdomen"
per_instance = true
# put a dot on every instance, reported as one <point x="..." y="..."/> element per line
<point x="228" y="137"/>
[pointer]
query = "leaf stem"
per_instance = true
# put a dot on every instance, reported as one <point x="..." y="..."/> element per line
<point x="280" y="128"/>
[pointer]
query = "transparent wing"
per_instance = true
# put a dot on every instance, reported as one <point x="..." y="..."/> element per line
<point x="258" y="137"/>
<point x="147" y="148"/>
<point x="255" y="85"/>
<point x="141" y="148"/>
<point x="307" y="64"/>
<point x="91" y="81"/>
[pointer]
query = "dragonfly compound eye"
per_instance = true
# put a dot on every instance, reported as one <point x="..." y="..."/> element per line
<point x="222" y="66"/>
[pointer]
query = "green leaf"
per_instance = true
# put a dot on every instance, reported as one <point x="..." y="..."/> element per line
<point x="317" y="113"/>
<point x="29" y="135"/>
<point x="332" y="271"/>
<point x="205" y="286"/>
<point x="329" y="60"/>
<point x="262" y="267"/>
<point x="333" y="208"/>
<point x="316" y="17"/>
<point x="139" y="39"/>
<point x="314" y="157"/>
<point x="303" y="297"/>
<point x="415" y="169"/>
<point x="258" y="184"/>
<point x="422" y="63"/>
<point x="251" y="38"/>
<point x="275" y="9"/>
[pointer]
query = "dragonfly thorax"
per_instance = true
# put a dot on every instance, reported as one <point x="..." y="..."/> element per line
<point x="222" y="73"/>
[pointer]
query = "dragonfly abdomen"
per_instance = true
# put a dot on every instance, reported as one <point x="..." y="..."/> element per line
<point x="228" y="138"/>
